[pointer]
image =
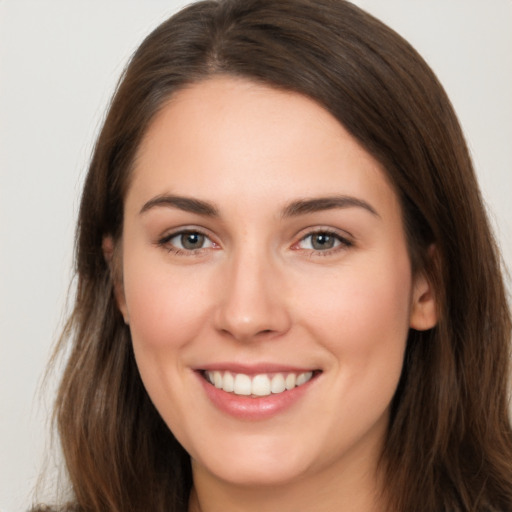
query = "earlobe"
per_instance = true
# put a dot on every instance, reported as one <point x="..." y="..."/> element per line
<point x="112" y="260"/>
<point x="424" y="305"/>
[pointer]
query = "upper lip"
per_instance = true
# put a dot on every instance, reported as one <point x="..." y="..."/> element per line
<point x="254" y="369"/>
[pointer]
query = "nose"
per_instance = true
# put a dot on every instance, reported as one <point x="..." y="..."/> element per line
<point x="252" y="300"/>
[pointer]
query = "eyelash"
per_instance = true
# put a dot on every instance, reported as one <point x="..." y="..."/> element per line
<point x="165" y="242"/>
<point x="342" y="243"/>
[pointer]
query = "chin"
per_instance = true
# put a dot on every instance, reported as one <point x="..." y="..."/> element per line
<point x="258" y="466"/>
<point x="247" y="474"/>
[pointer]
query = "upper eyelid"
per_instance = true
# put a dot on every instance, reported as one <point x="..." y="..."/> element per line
<point x="168" y="234"/>
<point x="343" y="235"/>
<point x="187" y="232"/>
<point x="340" y="233"/>
<point x="334" y="234"/>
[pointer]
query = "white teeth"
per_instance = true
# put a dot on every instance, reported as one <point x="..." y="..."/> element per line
<point x="257" y="385"/>
<point x="242" y="384"/>
<point x="261" y="385"/>
<point x="277" y="385"/>
<point x="290" y="381"/>
<point x="217" y="379"/>
<point x="303" y="378"/>
<point x="229" y="383"/>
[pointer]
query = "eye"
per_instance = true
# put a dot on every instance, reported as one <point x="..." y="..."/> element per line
<point x="187" y="241"/>
<point x="323" y="241"/>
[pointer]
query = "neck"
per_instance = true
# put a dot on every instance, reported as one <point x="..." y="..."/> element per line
<point x="349" y="490"/>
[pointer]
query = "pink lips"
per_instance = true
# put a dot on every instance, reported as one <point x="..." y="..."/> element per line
<point x="253" y="369"/>
<point x="253" y="408"/>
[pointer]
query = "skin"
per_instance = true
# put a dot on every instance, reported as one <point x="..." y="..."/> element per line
<point x="258" y="291"/>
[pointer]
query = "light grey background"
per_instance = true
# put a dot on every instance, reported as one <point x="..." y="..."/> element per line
<point x="59" y="62"/>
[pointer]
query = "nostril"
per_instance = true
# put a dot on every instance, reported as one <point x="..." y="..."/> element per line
<point x="246" y="316"/>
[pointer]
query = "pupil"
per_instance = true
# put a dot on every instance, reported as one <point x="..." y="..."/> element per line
<point x="192" y="240"/>
<point x="322" y="242"/>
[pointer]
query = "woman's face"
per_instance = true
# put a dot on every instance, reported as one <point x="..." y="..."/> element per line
<point x="267" y="284"/>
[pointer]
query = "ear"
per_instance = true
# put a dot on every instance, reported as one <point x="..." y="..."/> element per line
<point x="112" y="258"/>
<point x="423" y="314"/>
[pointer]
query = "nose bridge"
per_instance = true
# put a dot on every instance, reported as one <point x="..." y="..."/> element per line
<point x="252" y="301"/>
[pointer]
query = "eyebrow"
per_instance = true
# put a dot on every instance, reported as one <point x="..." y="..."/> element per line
<point x="186" y="204"/>
<point x="305" y="206"/>
<point x="294" y="209"/>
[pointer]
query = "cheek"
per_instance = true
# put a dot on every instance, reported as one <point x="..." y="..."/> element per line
<point x="165" y="306"/>
<point x="363" y="324"/>
<point x="166" y="310"/>
<point x="361" y="316"/>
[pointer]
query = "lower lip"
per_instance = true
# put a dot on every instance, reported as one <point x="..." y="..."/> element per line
<point x="254" y="408"/>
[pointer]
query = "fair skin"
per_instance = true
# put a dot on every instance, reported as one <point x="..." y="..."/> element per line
<point x="260" y="239"/>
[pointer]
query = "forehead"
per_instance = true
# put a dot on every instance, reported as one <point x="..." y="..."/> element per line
<point x="242" y="139"/>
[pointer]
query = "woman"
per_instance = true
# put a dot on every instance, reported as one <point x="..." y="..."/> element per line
<point x="288" y="294"/>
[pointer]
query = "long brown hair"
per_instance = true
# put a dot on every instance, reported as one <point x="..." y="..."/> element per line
<point x="449" y="444"/>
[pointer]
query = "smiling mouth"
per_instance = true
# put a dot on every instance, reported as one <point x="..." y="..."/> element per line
<point x="257" y="385"/>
